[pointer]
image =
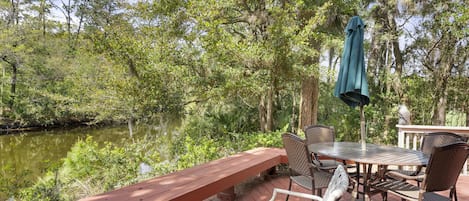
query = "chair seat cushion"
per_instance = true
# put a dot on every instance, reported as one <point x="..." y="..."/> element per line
<point x="321" y="180"/>
<point x="329" y="164"/>
<point x="326" y="164"/>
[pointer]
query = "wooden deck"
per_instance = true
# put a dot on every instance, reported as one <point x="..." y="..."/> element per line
<point x="261" y="190"/>
<point x="218" y="177"/>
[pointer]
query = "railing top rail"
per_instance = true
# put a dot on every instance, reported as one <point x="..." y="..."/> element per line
<point x="424" y="128"/>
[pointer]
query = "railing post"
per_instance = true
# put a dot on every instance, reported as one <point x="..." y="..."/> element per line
<point x="400" y="138"/>
<point x="407" y="141"/>
<point x="414" y="142"/>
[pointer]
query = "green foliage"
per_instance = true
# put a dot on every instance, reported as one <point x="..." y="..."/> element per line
<point x="13" y="181"/>
<point x="456" y="118"/>
<point x="88" y="169"/>
<point x="334" y="112"/>
<point x="200" y="149"/>
<point x="420" y="104"/>
<point x="141" y="61"/>
<point x="195" y="153"/>
<point x="46" y="189"/>
<point x="209" y="137"/>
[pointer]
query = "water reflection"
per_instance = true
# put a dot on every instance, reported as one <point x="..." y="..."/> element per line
<point x="35" y="151"/>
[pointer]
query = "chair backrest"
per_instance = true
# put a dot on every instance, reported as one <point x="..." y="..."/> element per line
<point x="338" y="185"/>
<point x="431" y="140"/>
<point x="444" y="166"/>
<point x="319" y="133"/>
<point x="299" y="159"/>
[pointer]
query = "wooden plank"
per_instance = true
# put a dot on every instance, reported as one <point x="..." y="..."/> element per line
<point x="201" y="181"/>
<point x="213" y="176"/>
<point x="234" y="176"/>
<point x="161" y="185"/>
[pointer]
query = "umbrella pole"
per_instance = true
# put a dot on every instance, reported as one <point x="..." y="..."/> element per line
<point x="362" y="128"/>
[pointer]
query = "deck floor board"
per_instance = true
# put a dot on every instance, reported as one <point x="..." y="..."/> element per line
<point x="261" y="190"/>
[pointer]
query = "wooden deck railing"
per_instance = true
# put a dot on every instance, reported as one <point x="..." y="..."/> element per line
<point x="410" y="136"/>
<point x="202" y="181"/>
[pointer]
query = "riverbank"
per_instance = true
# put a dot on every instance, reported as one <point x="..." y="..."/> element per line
<point x="9" y="129"/>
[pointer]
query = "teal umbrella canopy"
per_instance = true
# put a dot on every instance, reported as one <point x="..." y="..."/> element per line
<point x="352" y="86"/>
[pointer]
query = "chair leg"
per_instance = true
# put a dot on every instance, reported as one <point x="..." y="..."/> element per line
<point x="384" y="195"/>
<point x="289" y="188"/>
<point x="452" y="194"/>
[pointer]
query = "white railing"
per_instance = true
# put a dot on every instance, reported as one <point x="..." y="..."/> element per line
<point x="410" y="136"/>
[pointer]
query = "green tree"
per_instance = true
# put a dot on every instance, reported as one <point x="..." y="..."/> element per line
<point x="440" y="48"/>
<point x="386" y="60"/>
<point x="321" y="22"/>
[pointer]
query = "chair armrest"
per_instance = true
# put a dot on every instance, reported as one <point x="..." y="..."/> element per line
<point x="297" y="194"/>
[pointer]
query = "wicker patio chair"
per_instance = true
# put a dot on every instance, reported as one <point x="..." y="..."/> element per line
<point x="336" y="188"/>
<point x="302" y="170"/>
<point x="441" y="173"/>
<point x="429" y="141"/>
<point x="318" y="134"/>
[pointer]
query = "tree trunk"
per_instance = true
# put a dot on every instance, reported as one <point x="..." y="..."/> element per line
<point x="14" y="63"/>
<point x="467" y="118"/>
<point x="441" y="94"/>
<point x="262" y="114"/>
<point x="13" y="19"/>
<point x="441" y="75"/>
<point x="308" y="112"/>
<point x="398" y="59"/>
<point x="270" y="110"/>
<point x="43" y="18"/>
<point x="293" y="117"/>
<point x="130" y="125"/>
<point x="439" y="117"/>
<point x="331" y="63"/>
<point x="13" y="84"/>
<point x="309" y="101"/>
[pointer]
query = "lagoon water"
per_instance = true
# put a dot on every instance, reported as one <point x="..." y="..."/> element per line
<point x="28" y="155"/>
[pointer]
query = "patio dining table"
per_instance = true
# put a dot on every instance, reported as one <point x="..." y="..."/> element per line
<point x="379" y="155"/>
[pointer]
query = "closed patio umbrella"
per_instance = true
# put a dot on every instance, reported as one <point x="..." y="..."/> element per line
<point x="352" y="86"/>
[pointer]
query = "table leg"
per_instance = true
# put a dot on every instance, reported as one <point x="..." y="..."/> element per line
<point x="355" y="193"/>
<point x="366" y="180"/>
<point x="365" y="185"/>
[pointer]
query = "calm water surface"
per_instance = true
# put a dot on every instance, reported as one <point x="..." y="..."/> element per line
<point x="34" y="152"/>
